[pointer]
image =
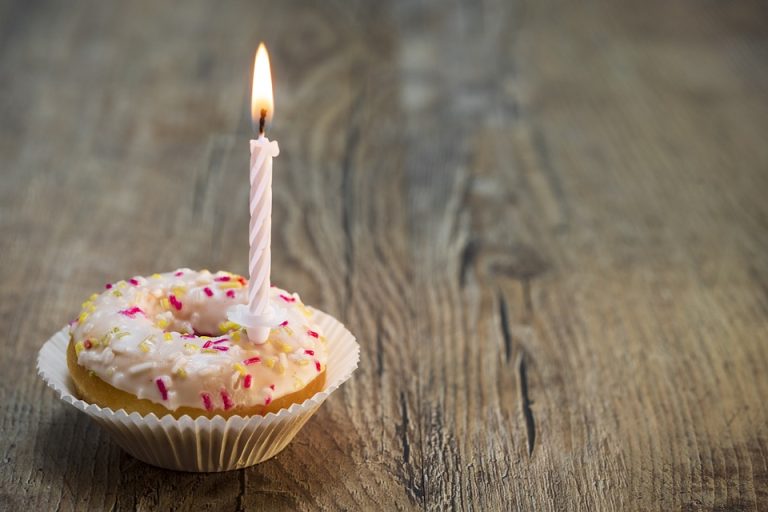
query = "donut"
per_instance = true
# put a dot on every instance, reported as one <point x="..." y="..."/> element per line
<point x="163" y="344"/>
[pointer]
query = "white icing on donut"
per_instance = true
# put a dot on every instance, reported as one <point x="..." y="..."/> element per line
<point x="166" y="338"/>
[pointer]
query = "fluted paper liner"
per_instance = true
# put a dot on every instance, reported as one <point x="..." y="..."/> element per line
<point x="205" y="444"/>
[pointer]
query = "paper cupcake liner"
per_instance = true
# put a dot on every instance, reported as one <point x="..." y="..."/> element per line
<point x="204" y="444"/>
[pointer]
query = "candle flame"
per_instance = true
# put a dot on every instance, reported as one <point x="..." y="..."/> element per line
<point x="261" y="94"/>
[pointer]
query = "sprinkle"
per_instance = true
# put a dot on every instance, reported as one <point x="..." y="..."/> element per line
<point x="206" y="399"/>
<point x="267" y="400"/>
<point x="230" y="284"/>
<point x="247" y="381"/>
<point x="191" y="346"/>
<point x="313" y="333"/>
<point x="222" y="279"/>
<point x="228" y="326"/>
<point x="231" y="294"/>
<point x="108" y="286"/>
<point x="241" y="280"/>
<point x="297" y="383"/>
<point x="188" y="336"/>
<point x="235" y="336"/>
<point x="117" y="293"/>
<point x="286" y="298"/>
<point x="163" y="323"/>
<point x="83" y="316"/>
<point x="210" y="343"/>
<point x="145" y="345"/>
<point x="167" y="336"/>
<point x="156" y="276"/>
<point x="227" y="400"/>
<point x="240" y="368"/>
<point x="87" y="344"/>
<point x="219" y="348"/>
<point x="79" y="347"/>
<point x="288" y="330"/>
<point x="317" y="365"/>
<point x="131" y="312"/>
<point x="141" y="367"/>
<point x="179" y="290"/>
<point x="162" y="388"/>
<point x="272" y="387"/>
<point x="164" y="302"/>
<point x="175" y="302"/>
<point x="122" y="334"/>
<point x="285" y="323"/>
<point x="181" y="372"/>
<point x="179" y="273"/>
<point x="121" y="284"/>
<point x="133" y="281"/>
<point x="269" y="362"/>
<point x="252" y="360"/>
<point x="208" y="291"/>
<point x="305" y="311"/>
<point x="287" y="348"/>
<point x="309" y="352"/>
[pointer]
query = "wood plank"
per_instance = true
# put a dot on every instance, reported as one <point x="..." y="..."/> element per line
<point x="545" y="222"/>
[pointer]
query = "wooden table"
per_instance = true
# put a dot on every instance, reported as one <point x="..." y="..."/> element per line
<point x="547" y="224"/>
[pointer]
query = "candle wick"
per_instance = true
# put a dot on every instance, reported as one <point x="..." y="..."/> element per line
<point x="262" y="121"/>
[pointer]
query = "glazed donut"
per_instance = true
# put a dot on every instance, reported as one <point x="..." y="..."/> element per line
<point x="163" y="344"/>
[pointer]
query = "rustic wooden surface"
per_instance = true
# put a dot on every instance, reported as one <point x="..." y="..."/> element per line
<point x="547" y="223"/>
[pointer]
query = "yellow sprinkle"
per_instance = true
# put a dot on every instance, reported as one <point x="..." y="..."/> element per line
<point x="145" y="346"/>
<point x="288" y="330"/>
<point x="285" y="347"/>
<point x="205" y="338"/>
<point x="115" y="330"/>
<point x="191" y="346"/>
<point x="209" y="351"/>
<point x="230" y="284"/>
<point x="228" y="326"/>
<point x="269" y="362"/>
<point x="94" y="296"/>
<point x="235" y="336"/>
<point x="163" y="323"/>
<point x="305" y="310"/>
<point x="122" y="284"/>
<point x="297" y="383"/>
<point x="167" y="336"/>
<point x="323" y="339"/>
<point x="302" y="362"/>
<point x="156" y="276"/>
<point x="122" y="334"/>
<point x="165" y="303"/>
<point x="117" y="293"/>
<point x="240" y="368"/>
<point x="79" y="347"/>
<point x="83" y="316"/>
<point x="179" y="290"/>
<point x="86" y="304"/>
<point x="280" y="369"/>
<point x="181" y="372"/>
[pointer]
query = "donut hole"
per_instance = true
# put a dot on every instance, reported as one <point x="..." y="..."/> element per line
<point x="191" y="314"/>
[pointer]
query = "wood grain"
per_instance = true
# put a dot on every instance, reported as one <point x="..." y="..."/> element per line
<point x="546" y="223"/>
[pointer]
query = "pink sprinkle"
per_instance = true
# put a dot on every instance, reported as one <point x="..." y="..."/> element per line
<point x="252" y="360"/>
<point x="284" y="323"/>
<point x="231" y="294"/>
<point x="207" y="344"/>
<point x="227" y="400"/>
<point x="162" y="388"/>
<point x="242" y="281"/>
<point x="313" y="333"/>
<point x="207" y="401"/>
<point x="287" y="298"/>
<point x="247" y="381"/>
<point x="272" y="387"/>
<point x="220" y="349"/>
<point x="309" y="352"/>
<point x="133" y="281"/>
<point x="317" y="365"/>
<point x="221" y="340"/>
<point x="179" y="274"/>
<point x="108" y="286"/>
<point x="268" y="400"/>
<point x="87" y="344"/>
<point x="189" y="336"/>
<point x="131" y="312"/>
<point x="208" y="291"/>
<point x="211" y="343"/>
<point x="222" y="279"/>
<point x="175" y="302"/>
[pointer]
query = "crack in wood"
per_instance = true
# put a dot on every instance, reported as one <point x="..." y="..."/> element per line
<point x="468" y="256"/>
<point x="525" y="402"/>
<point x="379" y="347"/>
<point x="506" y="332"/>
<point x="404" y="429"/>
<point x="347" y="194"/>
<point x="241" y="493"/>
